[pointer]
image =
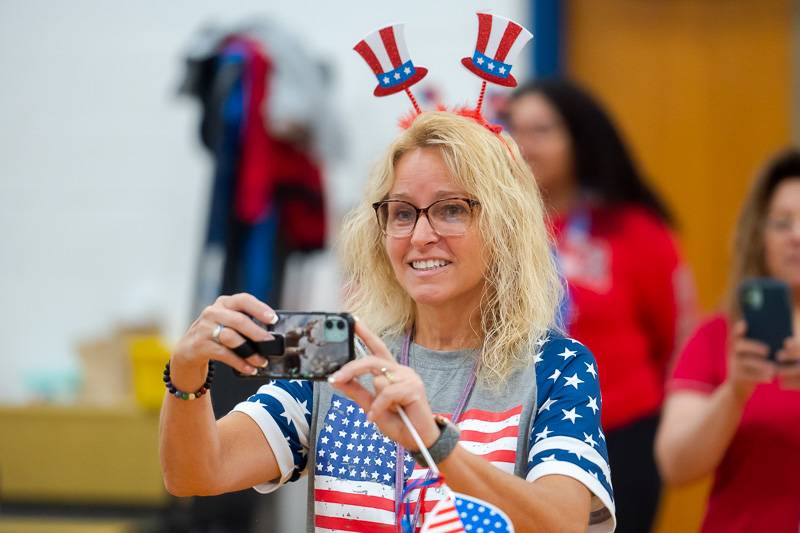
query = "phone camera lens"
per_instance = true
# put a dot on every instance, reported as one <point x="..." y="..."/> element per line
<point x="329" y="324"/>
<point x="340" y="324"/>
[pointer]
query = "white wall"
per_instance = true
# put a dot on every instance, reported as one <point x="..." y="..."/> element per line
<point x="103" y="183"/>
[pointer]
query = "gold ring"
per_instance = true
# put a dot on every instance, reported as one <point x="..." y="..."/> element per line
<point x="387" y="374"/>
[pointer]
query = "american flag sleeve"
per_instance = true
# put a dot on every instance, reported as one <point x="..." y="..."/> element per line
<point x="566" y="437"/>
<point x="282" y="409"/>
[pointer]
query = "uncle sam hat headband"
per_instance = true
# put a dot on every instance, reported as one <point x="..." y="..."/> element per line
<point x="498" y="43"/>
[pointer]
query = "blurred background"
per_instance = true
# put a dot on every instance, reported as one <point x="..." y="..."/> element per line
<point x="110" y="159"/>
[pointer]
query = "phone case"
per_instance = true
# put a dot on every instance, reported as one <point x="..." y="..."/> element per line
<point x="307" y="345"/>
<point x="767" y="309"/>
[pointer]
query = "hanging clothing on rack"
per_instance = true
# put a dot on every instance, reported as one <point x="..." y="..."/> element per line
<point x="266" y="121"/>
<point x="264" y="118"/>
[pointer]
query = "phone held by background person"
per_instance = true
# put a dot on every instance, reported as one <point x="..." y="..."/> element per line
<point x="306" y="345"/>
<point x="767" y="310"/>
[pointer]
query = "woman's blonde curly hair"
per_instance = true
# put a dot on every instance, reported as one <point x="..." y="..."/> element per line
<point x="522" y="290"/>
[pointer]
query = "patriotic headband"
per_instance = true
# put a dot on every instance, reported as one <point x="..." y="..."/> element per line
<point x="498" y="43"/>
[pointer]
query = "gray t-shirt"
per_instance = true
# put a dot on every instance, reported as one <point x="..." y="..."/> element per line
<point x="542" y="421"/>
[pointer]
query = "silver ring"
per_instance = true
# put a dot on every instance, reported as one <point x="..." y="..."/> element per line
<point x="216" y="333"/>
<point x="387" y="374"/>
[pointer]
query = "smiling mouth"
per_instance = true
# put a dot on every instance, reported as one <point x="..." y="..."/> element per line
<point x="429" y="264"/>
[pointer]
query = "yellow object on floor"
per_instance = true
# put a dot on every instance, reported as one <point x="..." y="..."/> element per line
<point x="148" y="355"/>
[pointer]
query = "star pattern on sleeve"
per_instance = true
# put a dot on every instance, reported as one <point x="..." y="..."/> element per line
<point x="566" y="431"/>
<point x="287" y="402"/>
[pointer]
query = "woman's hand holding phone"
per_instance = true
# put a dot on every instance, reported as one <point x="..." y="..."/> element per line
<point x="199" y="345"/>
<point x="748" y="363"/>
<point x="789" y="364"/>
<point x="395" y="385"/>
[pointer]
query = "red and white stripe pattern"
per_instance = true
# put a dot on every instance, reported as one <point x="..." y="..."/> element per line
<point x="385" y="49"/>
<point x="343" y="505"/>
<point x="387" y="56"/>
<point x="499" y="42"/>
<point x="492" y="436"/>
<point x="443" y="518"/>
<point x="500" y="38"/>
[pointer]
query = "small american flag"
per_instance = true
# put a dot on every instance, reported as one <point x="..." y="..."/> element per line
<point x="459" y="513"/>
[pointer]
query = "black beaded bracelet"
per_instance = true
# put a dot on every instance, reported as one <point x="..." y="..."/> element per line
<point x="189" y="395"/>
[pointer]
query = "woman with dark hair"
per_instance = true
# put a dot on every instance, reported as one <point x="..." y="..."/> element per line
<point x="628" y="289"/>
<point x="729" y="411"/>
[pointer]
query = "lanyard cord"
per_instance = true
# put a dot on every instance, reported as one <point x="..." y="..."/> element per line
<point x="400" y="451"/>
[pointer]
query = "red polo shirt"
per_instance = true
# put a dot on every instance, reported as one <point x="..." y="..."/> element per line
<point x="631" y="297"/>
<point x="757" y="484"/>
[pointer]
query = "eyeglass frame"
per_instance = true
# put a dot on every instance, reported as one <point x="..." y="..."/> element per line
<point x="471" y="202"/>
<point x="781" y="225"/>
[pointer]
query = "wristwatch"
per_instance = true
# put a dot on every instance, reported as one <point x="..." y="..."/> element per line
<point x="443" y="446"/>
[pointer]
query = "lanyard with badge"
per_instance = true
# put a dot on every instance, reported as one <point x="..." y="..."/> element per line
<point x="576" y="234"/>
<point x="428" y="480"/>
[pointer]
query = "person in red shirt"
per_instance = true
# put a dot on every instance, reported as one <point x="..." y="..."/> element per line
<point x="630" y="295"/>
<point x="729" y="410"/>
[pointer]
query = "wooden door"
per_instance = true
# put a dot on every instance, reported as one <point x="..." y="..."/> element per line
<point x="702" y="91"/>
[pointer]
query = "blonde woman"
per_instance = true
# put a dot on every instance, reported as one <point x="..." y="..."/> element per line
<point x="450" y="263"/>
<point x="730" y="411"/>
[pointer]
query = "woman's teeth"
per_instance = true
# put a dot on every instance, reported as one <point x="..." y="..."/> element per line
<point x="429" y="264"/>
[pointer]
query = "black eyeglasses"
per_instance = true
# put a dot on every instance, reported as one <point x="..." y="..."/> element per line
<point x="449" y="217"/>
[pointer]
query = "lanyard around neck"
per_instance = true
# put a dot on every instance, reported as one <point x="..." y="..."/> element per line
<point x="401" y="452"/>
<point x="579" y="226"/>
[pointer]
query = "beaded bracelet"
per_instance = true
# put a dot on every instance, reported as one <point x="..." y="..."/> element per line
<point x="189" y="395"/>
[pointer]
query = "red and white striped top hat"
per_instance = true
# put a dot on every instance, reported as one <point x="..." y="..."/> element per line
<point x="499" y="42"/>
<point x="386" y="53"/>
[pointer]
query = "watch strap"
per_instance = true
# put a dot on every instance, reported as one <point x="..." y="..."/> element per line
<point x="443" y="446"/>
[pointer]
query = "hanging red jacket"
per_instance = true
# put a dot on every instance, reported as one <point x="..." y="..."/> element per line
<point x="274" y="174"/>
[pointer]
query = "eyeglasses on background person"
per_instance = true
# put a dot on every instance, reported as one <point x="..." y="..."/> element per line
<point x="782" y="224"/>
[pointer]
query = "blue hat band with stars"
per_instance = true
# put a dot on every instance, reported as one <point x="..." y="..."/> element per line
<point x="491" y="66"/>
<point x="396" y="76"/>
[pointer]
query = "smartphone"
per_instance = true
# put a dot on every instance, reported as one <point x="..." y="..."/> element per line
<point x="767" y="309"/>
<point x="306" y="345"/>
